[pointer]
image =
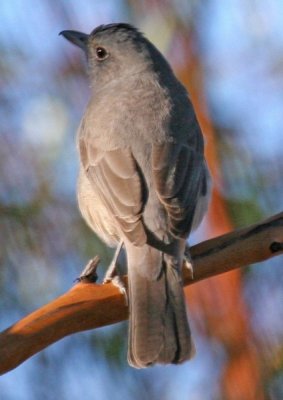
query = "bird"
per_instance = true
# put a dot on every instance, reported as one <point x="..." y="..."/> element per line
<point x="143" y="181"/>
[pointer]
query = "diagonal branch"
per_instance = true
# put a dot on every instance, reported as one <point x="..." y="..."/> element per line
<point x="87" y="305"/>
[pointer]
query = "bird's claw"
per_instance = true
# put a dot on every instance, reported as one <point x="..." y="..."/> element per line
<point x="189" y="265"/>
<point x="118" y="282"/>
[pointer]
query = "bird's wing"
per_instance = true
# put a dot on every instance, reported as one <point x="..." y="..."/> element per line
<point x="115" y="176"/>
<point x="179" y="175"/>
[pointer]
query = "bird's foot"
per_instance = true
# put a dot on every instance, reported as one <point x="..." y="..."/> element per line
<point x="189" y="265"/>
<point x="113" y="277"/>
<point x="112" y="274"/>
<point x="117" y="281"/>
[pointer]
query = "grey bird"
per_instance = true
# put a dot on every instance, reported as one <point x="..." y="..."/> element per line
<point x="143" y="182"/>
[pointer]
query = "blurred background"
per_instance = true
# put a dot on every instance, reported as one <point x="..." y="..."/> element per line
<point x="229" y="54"/>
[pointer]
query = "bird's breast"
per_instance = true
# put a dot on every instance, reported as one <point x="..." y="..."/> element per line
<point x="94" y="211"/>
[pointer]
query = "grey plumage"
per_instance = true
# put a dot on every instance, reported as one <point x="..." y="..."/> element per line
<point x="143" y="180"/>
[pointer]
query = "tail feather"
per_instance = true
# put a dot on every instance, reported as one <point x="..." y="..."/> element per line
<point x="158" y="328"/>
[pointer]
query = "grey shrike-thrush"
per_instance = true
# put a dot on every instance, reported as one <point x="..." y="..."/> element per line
<point x="143" y="181"/>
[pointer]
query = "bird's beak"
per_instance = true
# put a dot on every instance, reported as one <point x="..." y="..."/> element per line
<point x="78" y="38"/>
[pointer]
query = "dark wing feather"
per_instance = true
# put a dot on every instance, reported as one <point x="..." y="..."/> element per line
<point x="179" y="176"/>
<point x="114" y="174"/>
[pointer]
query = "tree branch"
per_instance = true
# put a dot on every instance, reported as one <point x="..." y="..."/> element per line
<point x="88" y="305"/>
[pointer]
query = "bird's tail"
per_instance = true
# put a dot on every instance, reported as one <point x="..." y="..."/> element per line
<point x="158" y="327"/>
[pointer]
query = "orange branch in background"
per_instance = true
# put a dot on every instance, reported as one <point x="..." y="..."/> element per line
<point x="242" y="375"/>
<point x="88" y="305"/>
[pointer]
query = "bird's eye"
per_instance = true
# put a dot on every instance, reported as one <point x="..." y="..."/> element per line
<point x="101" y="53"/>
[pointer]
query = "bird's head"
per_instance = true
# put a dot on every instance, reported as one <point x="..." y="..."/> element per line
<point x="113" y="51"/>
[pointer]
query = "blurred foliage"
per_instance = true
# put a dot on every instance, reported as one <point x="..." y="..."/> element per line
<point x="229" y="55"/>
